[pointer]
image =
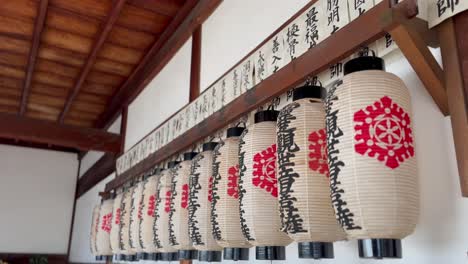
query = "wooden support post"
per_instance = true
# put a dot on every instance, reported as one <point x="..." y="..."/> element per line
<point x="451" y="48"/>
<point x="195" y="64"/>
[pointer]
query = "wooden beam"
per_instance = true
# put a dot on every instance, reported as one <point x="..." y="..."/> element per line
<point x="39" y="26"/>
<point x="452" y="55"/>
<point x="191" y="15"/>
<point x="123" y="128"/>
<point x="98" y="172"/>
<point x="415" y="49"/>
<point x="97" y="45"/>
<point x="195" y="64"/>
<point x="162" y="7"/>
<point x="40" y="131"/>
<point x="362" y="31"/>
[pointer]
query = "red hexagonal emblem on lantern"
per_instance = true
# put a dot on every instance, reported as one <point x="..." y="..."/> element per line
<point x="151" y="205"/>
<point x="210" y="189"/>
<point x="167" y="202"/>
<point x="185" y="194"/>
<point x="264" y="170"/>
<point x="106" y="222"/>
<point x="233" y="179"/>
<point x="383" y="131"/>
<point x="318" y="160"/>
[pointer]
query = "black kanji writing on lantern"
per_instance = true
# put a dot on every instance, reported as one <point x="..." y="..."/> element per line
<point x="443" y="5"/>
<point x="336" y="70"/>
<point x="214" y="98"/>
<point x="175" y="176"/>
<point x="333" y="10"/>
<point x="195" y="187"/>
<point x="140" y="224"/>
<point x="261" y="66"/>
<point x="291" y="39"/>
<point x="235" y="82"/>
<point x="123" y="212"/>
<point x="214" y="187"/>
<point x="388" y="40"/>
<point x="289" y="94"/>
<point x="290" y="219"/>
<point x="242" y="168"/>
<point x="156" y="240"/>
<point x="133" y="210"/>
<point x="312" y="33"/>
<point x="343" y="214"/>
<point x="246" y="75"/>
<point x="358" y="5"/>
<point x="276" y="56"/>
<point x="223" y="92"/>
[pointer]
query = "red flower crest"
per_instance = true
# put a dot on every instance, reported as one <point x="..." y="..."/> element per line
<point x="210" y="189"/>
<point x="383" y="129"/>
<point x="167" y="202"/>
<point x="185" y="194"/>
<point x="117" y="216"/>
<point x="107" y="222"/>
<point x="264" y="170"/>
<point x="233" y="178"/>
<point x="318" y="160"/>
<point x="151" y="205"/>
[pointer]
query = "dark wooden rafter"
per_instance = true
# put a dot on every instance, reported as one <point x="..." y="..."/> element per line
<point x="195" y="64"/>
<point x="40" y="131"/>
<point x="362" y="31"/>
<point x="39" y="26"/>
<point x="191" y="15"/>
<point x="123" y="128"/>
<point x="97" y="45"/>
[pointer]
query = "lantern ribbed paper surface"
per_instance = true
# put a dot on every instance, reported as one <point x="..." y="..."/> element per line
<point x="135" y="216"/>
<point x="115" y="229"/>
<point x="104" y="228"/>
<point x="258" y="192"/>
<point x="124" y="236"/>
<point x="148" y="215"/>
<point x="225" y="216"/>
<point x="373" y="170"/>
<point x="178" y="217"/>
<point x="304" y="188"/>
<point x="94" y="229"/>
<point x="200" y="228"/>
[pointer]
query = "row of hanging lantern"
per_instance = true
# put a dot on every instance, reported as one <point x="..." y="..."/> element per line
<point x="314" y="173"/>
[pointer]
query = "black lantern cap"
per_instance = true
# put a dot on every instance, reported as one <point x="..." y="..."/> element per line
<point x="188" y="254"/>
<point x="267" y="115"/>
<point x="189" y="155"/>
<point x="234" y="131"/>
<point x="270" y="253"/>
<point x="380" y="248"/>
<point x="172" y="164"/>
<point x="98" y="258"/>
<point x="307" y="91"/>
<point x="119" y="257"/>
<point x="209" y="256"/>
<point x="169" y="256"/>
<point x="315" y="250"/>
<point x="143" y="256"/>
<point x="236" y="254"/>
<point x="364" y="63"/>
<point x="209" y="146"/>
<point x="131" y="258"/>
<point x="106" y="258"/>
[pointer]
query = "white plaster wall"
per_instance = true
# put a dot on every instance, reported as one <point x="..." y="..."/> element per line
<point x="164" y="95"/>
<point x="36" y="199"/>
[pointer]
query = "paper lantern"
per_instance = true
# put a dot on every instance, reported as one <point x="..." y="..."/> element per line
<point x="225" y="216"/>
<point x="371" y="158"/>
<point x="163" y="208"/>
<point x="124" y="236"/>
<point x="103" y="230"/>
<point x="200" y="228"/>
<point x="304" y="188"/>
<point x="94" y="229"/>
<point x="135" y="217"/>
<point x="258" y="189"/>
<point x="148" y="213"/>
<point x="115" y="229"/>
<point x="178" y="216"/>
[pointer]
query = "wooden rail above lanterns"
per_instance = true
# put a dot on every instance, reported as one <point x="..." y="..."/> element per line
<point x="364" y="30"/>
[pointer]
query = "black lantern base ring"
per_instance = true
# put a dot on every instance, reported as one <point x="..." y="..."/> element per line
<point x="130" y="258"/>
<point x="270" y="253"/>
<point x="315" y="250"/>
<point x="169" y="256"/>
<point x="236" y="254"/>
<point x="209" y="256"/>
<point x="146" y="256"/>
<point x="380" y="248"/>
<point x="188" y="254"/>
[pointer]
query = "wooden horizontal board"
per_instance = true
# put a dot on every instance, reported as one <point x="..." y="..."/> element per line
<point x="129" y="38"/>
<point x="38" y="107"/>
<point x="8" y="91"/>
<point x="53" y="79"/>
<point x="14" y="45"/>
<point x="13" y="59"/>
<point x="81" y="115"/>
<point x="16" y="27"/>
<point x="120" y="54"/>
<point x="46" y="100"/>
<point x="81" y="123"/>
<point x="66" y="40"/>
<point x="97" y="88"/>
<point x="20" y="8"/>
<point x="9" y="109"/>
<point x="92" y="98"/>
<point x="87" y="107"/>
<point x="9" y="100"/>
<point x="11" y="82"/>
<point x="163" y="7"/>
<point x="110" y="66"/>
<point x="10" y="71"/>
<point x="50" y="90"/>
<point x="58" y="19"/>
<point x="93" y="8"/>
<point x="41" y="115"/>
<point x="45" y="65"/>
<point x="61" y="55"/>
<point x="143" y="19"/>
<point x="105" y="78"/>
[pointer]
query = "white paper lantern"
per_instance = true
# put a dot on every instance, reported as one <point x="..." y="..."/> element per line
<point x="200" y="228"/>
<point x="135" y="217"/>
<point x="94" y="229"/>
<point x="163" y="208"/>
<point x="115" y="229"/>
<point x="373" y="172"/>
<point x="225" y="216"/>
<point x="304" y="187"/>
<point x="103" y="231"/>
<point x="258" y="189"/>
<point x="178" y="217"/>
<point x="124" y="236"/>
<point x="148" y="210"/>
